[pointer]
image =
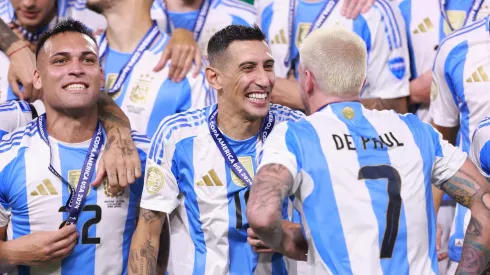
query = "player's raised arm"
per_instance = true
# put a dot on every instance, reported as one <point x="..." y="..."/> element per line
<point x="469" y="188"/>
<point x="146" y="243"/>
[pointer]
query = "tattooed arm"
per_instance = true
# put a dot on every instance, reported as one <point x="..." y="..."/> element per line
<point x="271" y="185"/>
<point x="469" y="188"/>
<point x="8" y="38"/>
<point x="120" y="160"/>
<point x="145" y="244"/>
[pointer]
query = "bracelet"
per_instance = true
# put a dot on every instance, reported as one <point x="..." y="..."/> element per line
<point x="10" y="54"/>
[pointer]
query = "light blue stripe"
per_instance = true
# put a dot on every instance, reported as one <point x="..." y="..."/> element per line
<point x="82" y="259"/>
<point x="396" y="31"/>
<point x="427" y="148"/>
<point x="17" y="199"/>
<point x="454" y="76"/>
<point x="18" y="134"/>
<point x="186" y="185"/>
<point x="453" y="250"/>
<point x="8" y="103"/>
<point x="7" y="109"/>
<point x="16" y="142"/>
<point x="389" y="30"/>
<point x="359" y="127"/>
<point x="326" y="230"/>
<point x="485" y="157"/>
<point x="406" y="10"/>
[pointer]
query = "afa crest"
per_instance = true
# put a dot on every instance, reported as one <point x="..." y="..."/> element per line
<point x="456" y="19"/>
<point x="109" y="83"/>
<point x="248" y="165"/>
<point x="107" y="189"/>
<point x="73" y="178"/>
<point x="141" y="88"/>
<point x="302" y="32"/>
<point x="154" y="180"/>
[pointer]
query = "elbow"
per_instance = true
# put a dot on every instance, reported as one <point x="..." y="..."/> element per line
<point x="259" y="221"/>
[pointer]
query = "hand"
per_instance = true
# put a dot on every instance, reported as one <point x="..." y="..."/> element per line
<point x="440" y="256"/>
<point x="257" y="244"/>
<point x="352" y="8"/>
<point x="21" y="70"/>
<point x="120" y="160"/>
<point x="181" y="50"/>
<point x="42" y="247"/>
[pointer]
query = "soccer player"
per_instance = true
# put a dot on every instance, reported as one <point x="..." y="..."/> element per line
<point x="31" y="19"/>
<point x="202" y="17"/>
<point x="287" y="23"/>
<point x="201" y="163"/>
<point x="45" y="169"/>
<point x="361" y="178"/>
<point x="459" y="100"/>
<point x="129" y="50"/>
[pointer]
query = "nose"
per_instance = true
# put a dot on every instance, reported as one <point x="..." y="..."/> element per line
<point x="76" y="69"/>
<point x="262" y="78"/>
<point x="29" y="3"/>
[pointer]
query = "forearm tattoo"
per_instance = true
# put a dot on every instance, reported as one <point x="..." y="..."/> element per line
<point x="7" y="36"/>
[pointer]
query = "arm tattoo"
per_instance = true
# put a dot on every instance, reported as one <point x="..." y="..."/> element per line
<point x="110" y="114"/>
<point x="126" y="147"/>
<point x="462" y="188"/>
<point x="475" y="257"/>
<point x="137" y="260"/>
<point x="270" y="188"/>
<point x="7" y="36"/>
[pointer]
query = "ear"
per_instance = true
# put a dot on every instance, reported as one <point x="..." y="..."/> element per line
<point x="310" y="82"/>
<point x="102" y="82"/>
<point x="37" y="82"/>
<point x="212" y="75"/>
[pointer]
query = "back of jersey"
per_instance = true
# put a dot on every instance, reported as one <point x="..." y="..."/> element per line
<point x="363" y="186"/>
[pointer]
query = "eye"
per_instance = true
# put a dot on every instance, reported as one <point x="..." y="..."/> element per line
<point x="59" y="61"/>
<point x="89" y="60"/>
<point x="269" y="66"/>
<point x="248" y="68"/>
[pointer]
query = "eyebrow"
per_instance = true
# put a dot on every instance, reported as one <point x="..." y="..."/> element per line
<point x="67" y="54"/>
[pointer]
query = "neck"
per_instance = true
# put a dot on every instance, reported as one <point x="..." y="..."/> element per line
<point x="127" y="25"/>
<point x="183" y="5"/>
<point x="71" y="129"/>
<point x="235" y="126"/>
<point x="324" y="99"/>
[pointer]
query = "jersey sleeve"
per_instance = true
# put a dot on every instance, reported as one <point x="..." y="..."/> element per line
<point x="14" y="114"/>
<point x="443" y="105"/>
<point x="480" y="148"/>
<point x="448" y="159"/>
<point x="281" y="148"/>
<point x="383" y="30"/>
<point x="201" y="95"/>
<point x="161" y="190"/>
<point x="4" y="204"/>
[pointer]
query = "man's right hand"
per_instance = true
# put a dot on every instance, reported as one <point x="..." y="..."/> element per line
<point x="21" y="70"/>
<point x="42" y="247"/>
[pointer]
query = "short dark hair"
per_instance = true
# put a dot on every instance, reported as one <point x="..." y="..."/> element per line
<point x="67" y="25"/>
<point x="221" y="40"/>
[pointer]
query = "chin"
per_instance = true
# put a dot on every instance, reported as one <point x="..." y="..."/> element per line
<point x="257" y="112"/>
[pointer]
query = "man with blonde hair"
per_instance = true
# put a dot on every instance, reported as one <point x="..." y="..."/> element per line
<point x="361" y="178"/>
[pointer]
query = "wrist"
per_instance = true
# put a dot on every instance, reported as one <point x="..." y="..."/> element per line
<point x="16" y="46"/>
<point x="8" y="254"/>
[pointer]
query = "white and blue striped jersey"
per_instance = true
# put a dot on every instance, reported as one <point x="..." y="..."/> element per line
<point x="147" y="97"/>
<point x="221" y="14"/>
<point x="33" y="199"/>
<point x="16" y="114"/>
<point x="362" y="182"/>
<point x="65" y="8"/>
<point x="189" y="179"/>
<point x="382" y="29"/>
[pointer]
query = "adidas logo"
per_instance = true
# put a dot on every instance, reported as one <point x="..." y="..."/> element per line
<point x="423" y="27"/>
<point x="210" y="179"/>
<point x="44" y="189"/>
<point x="478" y="76"/>
<point x="280" y="38"/>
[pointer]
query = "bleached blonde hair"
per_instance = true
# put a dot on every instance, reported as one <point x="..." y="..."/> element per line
<point x="337" y="58"/>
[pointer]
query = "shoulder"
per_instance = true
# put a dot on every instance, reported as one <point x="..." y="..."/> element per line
<point x="461" y="38"/>
<point x="13" y="142"/>
<point x="179" y="126"/>
<point x="283" y="113"/>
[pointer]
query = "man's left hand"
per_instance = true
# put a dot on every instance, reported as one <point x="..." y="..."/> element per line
<point x="257" y="244"/>
<point x="120" y="161"/>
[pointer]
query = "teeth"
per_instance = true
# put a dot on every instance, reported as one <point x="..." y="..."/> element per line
<point x="260" y="96"/>
<point x="75" y="87"/>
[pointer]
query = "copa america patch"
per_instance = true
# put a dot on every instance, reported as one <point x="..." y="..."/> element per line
<point x="397" y="67"/>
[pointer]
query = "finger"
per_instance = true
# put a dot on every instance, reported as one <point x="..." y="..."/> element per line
<point x="28" y="89"/>
<point x="187" y="65"/>
<point x="198" y="63"/>
<point x="186" y="54"/>
<point x="174" y="62"/>
<point x="99" y="177"/>
<point x="349" y="7"/>
<point x="442" y="256"/>
<point x="136" y="163"/>
<point x="130" y="175"/>
<point x="14" y="85"/>
<point x="66" y="248"/>
<point x="261" y="250"/>
<point x="357" y="9"/>
<point x="111" y="175"/>
<point x="163" y="60"/>
<point x="251" y="233"/>
<point x="121" y="176"/>
<point x="367" y="6"/>
<point x="438" y="237"/>
<point x="64" y="232"/>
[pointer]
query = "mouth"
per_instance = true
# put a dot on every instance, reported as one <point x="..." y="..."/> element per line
<point x="258" y="98"/>
<point x="30" y="14"/>
<point x="75" y="87"/>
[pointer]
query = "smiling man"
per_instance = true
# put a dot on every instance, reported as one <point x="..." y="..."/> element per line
<point x="202" y="162"/>
<point x="46" y="169"/>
